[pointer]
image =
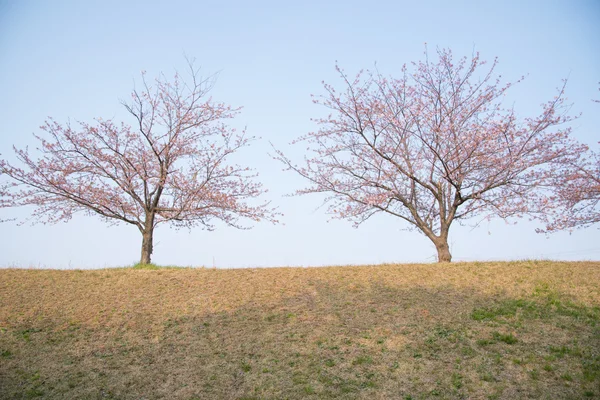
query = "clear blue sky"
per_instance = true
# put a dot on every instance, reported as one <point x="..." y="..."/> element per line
<point x="76" y="59"/>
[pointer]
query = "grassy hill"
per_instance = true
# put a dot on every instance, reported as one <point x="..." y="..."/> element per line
<point x="471" y="330"/>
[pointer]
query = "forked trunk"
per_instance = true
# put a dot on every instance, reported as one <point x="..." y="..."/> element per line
<point x="443" y="250"/>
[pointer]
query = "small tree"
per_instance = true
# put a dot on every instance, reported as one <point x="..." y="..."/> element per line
<point x="170" y="167"/>
<point x="433" y="147"/>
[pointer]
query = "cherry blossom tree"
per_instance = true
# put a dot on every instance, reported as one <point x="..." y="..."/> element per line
<point x="577" y="190"/>
<point x="433" y="146"/>
<point x="578" y="193"/>
<point x="171" y="166"/>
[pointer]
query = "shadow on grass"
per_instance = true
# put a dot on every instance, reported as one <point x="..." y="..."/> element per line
<point x="362" y="342"/>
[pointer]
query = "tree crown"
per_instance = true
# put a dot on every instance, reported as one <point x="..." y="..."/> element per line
<point x="172" y="163"/>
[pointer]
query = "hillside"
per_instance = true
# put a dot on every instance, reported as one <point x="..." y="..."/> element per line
<point x="470" y="330"/>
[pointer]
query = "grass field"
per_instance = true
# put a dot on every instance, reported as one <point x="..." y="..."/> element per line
<point x="510" y="330"/>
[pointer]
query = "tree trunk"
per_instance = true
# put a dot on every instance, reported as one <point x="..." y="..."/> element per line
<point x="146" y="247"/>
<point x="147" y="239"/>
<point x="443" y="250"/>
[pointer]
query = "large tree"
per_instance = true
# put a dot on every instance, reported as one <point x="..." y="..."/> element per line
<point x="170" y="166"/>
<point x="578" y="193"/>
<point x="433" y="146"/>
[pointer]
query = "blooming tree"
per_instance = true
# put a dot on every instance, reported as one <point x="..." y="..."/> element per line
<point x="577" y="190"/>
<point x="578" y="193"/>
<point x="170" y="166"/>
<point x="432" y="147"/>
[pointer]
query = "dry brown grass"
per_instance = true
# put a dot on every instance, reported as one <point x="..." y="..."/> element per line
<point x="470" y="330"/>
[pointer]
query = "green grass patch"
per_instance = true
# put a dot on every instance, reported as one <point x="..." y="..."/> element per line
<point x="154" y="267"/>
<point x="362" y="360"/>
<point x="507" y="338"/>
<point x="542" y="307"/>
<point x="5" y="353"/>
<point x="504" y="308"/>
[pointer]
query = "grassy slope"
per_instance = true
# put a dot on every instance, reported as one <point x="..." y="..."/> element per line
<point x="476" y="330"/>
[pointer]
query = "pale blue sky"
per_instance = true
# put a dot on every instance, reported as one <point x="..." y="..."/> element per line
<point x="76" y="59"/>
